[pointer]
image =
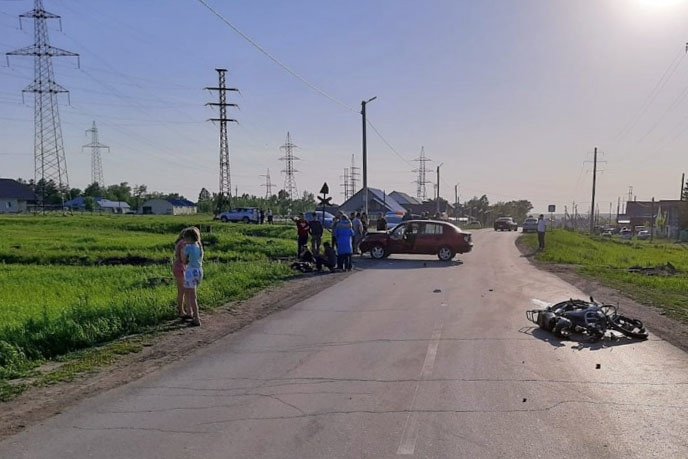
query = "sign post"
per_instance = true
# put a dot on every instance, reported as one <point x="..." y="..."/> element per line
<point x="551" y="209"/>
<point x="324" y="200"/>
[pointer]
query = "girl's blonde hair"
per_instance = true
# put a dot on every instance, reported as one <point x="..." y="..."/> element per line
<point x="190" y="231"/>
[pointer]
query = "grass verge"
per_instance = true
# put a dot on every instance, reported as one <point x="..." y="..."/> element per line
<point x="609" y="261"/>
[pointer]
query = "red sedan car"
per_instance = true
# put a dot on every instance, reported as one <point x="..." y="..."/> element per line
<point x="419" y="237"/>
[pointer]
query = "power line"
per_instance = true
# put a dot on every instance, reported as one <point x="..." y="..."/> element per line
<point x="275" y="60"/>
<point x="666" y="76"/>
<point x="387" y="143"/>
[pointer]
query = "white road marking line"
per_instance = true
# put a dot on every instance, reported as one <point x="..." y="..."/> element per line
<point x="407" y="445"/>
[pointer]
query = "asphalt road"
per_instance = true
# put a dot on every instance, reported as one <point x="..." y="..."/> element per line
<point x="409" y="356"/>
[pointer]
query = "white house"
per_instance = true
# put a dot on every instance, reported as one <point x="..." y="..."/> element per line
<point x="168" y="207"/>
<point x="14" y="196"/>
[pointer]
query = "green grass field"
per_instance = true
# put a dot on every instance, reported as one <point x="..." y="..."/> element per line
<point x="609" y="260"/>
<point x="71" y="282"/>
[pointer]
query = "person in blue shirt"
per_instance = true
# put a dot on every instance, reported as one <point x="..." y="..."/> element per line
<point x="344" y="234"/>
<point x="193" y="274"/>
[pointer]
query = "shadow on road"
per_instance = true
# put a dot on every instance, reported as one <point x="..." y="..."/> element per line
<point x="402" y="263"/>
<point x="578" y="342"/>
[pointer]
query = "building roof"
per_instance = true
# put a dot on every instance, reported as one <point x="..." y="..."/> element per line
<point x="107" y="204"/>
<point x="11" y="189"/>
<point x="403" y="198"/>
<point x="356" y="202"/>
<point x="181" y="203"/>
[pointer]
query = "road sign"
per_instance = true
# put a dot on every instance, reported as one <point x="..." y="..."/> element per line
<point x="325" y="189"/>
<point x="325" y="201"/>
<point x="551" y="208"/>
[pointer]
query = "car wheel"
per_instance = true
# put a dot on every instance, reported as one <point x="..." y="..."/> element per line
<point x="445" y="253"/>
<point x="245" y="220"/>
<point x="224" y="219"/>
<point x="377" y="252"/>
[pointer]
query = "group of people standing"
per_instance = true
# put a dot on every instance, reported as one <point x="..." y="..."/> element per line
<point x="188" y="272"/>
<point x="347" y="234"/>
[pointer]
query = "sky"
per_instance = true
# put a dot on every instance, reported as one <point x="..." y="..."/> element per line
<point x="510" y="97"/>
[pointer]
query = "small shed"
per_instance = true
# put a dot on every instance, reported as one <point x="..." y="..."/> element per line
<point x="168" y="207"/>
<point x="101" y="205"/>
<point x="14" y="196"/>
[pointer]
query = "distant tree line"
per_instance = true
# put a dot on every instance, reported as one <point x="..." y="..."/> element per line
<point x="49" y="194"/>
<point x="479" y="208"/>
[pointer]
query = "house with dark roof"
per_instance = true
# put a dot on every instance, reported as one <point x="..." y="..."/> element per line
<point x="168" y="207"/>
<point x="15" y="196"/>
<point x="405" y="199"/>
<point x="99" y="205"/>
<point x="664" y="215"/>
<point x="379" y="203"/>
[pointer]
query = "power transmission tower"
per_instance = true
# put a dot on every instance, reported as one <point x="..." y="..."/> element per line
<point x="268" y="185"/>
<point x="353" y="177"/>
<point x="422" y="181"/>
<point x="49" y="156"/>
<point x="289" y="171"/>
<point x="96" y="163"/>
<point x="345" y="184"/>
<point x="225" y="189"/>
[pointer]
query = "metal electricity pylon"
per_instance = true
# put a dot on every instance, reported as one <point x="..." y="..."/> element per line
<point x="289" y="171"/>
<point x="422" y="181"/>
<point x="346" y="184"/>
<point x="268" y="185"/>
<point x="225" y="188"/>
<point x="96" y="162"/>
<point x="353" y="177"/>
<point x="49" y="156"/>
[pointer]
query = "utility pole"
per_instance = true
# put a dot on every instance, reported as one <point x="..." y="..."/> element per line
<point x="652" y="219"/>
<point x="289" y="171"/>
<point x="683" y="186"/>
<point x="96" y="163"/>
<point x="592" y="206"/>
<point x="618" y="205"/>
<point x="268" y="185"/>
<point x="456" y="200"/>
<point x="365" y="153"/>
<point x="50" y="163"/>
<point x="421" y="182"/>
<point x="225" y="185"/>
<point x="438" y="187"/>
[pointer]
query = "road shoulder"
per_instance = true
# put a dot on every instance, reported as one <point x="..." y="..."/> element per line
<point x="654" y="319"/>
<point x="175" y="343"/>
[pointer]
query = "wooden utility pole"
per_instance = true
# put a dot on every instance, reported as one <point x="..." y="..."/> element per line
<point x="592" y="205"/>
<point x="683" y="185"/>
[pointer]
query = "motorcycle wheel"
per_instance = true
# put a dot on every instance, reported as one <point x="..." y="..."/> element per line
<point x="633" y="328"/>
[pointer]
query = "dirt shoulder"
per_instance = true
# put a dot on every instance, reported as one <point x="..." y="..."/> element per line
<point x="654" y="319"/>
<point x="175" y="342"/>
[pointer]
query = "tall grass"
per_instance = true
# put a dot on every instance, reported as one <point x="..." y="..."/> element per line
<point x="609" y="260"/>
<point x="59" y="293"/>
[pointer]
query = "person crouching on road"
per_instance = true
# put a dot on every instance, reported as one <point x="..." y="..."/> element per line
<point x="193" y="259"/>
<point x="344" y="234"/>
<point x="541" y="232"/>
<point x="327" y="259"/>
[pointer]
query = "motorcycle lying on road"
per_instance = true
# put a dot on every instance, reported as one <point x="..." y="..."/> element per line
<point x="586" y="317"/>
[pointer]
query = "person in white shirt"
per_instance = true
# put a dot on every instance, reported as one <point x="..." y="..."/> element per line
<point x="541" y="232"/>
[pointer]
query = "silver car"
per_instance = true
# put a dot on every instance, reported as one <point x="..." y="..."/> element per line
<point x="530" y="225"/>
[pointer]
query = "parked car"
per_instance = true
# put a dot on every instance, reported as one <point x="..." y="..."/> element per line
<point x="419" y="237"/>
<point x="318" y="215"/>
<point x="242" y="214"/>
<point x="626" y="234"/>
<point x="643" y="234"/>
<point x="529" y="225"/>
<point x="393" y="219"/>
<point x="505" y="224"/>
<point x="607" y="233"/>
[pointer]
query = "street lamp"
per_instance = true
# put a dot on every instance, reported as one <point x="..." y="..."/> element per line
<point x="365" y="153"/>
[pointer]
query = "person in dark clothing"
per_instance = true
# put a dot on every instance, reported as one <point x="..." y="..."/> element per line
<point x="381" y="223"/>
<point x="302" y="230"/>
<point x="407" y="216"/>
<point x="327" y="259"/>
<point x="261" y="216"/>
<point x="316" y="233"/>
<point x="306" y="255"/>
